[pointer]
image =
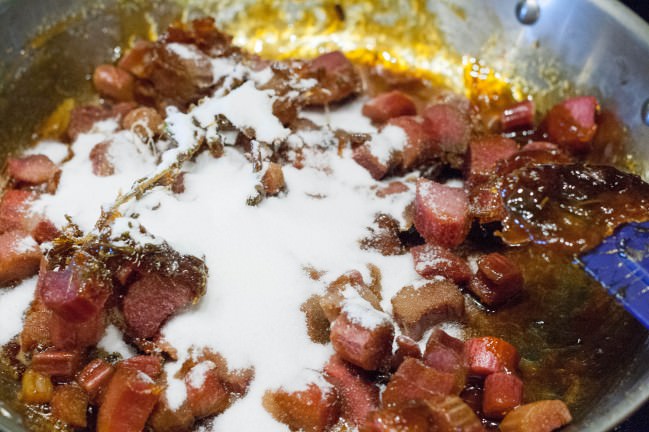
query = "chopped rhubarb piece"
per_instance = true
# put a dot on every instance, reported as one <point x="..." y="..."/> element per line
<point x="33" y="170"/>
<point x="418" y="309"/>
<point x="406" y="348"/>
<point x="128" y="402"/>
<point x="206" y="392"/>
<point x="488" y="354"/>
<point x="331" y="302"/>
<point x="411" y="417"/>
<point x="432" y="261"/>
<point x="138" y="60"/>
<point x="238" y="381"/>
<point x="121" y="109"/>
<point x="152" y="299"/>
<point x="70" y="405"/>
<point x="56" y="363"/>
<point x="500" y="270"/>
<point x="45" y="231"/>
<point x="498" y="279"/>
<point x="441" y="213"/>
<point x="393" y="188"/>
<point x="540" y="416"/>
<point x="113" y="82"/>
<point x="452" y="414"/>
<point x="486" y="203"/>
<point x="445" y="353"/>
<point x="273" y="179"/>
<point x="144" y="121"/>
<point x="15" y="210"/>
<point x="148" y="364"/>
<point x="375" y="166"/>
<point x="384" y="236"/>
<point x="125" y="273"/>
<point x="235" y="381"/>
<point x="83" y="118"/>
<point x="102" y="165"/>
<point x="330" y="62"/>
<point x="36" y="327"/>
<point x="36" y="387"/>
<point x="20" y="257"/>
<point x="364" y="344"/>
<point x="313" y="409"/>
<point x="414" y="381"/>
<point x="69" y="335"/>
<point x="166" y="419"/>
<point x="72" y="293"/>
<point x="502" y="393"/>
<point x="95" y="376"/>
<point x="389" y="105"/>
<point x="337" y="79"/>
<point x="518" y="116"/>
<point x="609" y="143"/>
<point x="357" y="395"/>
<point x="419" y="149"/>
<point x="571" y="124"/>
<point x="317" y="324"/>
<point x="484" y="155"/>
<point x="448" y="127"/>
<point x="177" y="79"/>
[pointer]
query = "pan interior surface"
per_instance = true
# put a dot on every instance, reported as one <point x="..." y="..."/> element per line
<point x="556" y="57"/>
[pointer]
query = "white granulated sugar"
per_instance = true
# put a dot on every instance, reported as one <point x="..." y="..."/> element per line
<point x="80" y="193"/>
<point x="145" y="378"/>
<point x="13" y="304"/>
<point x="262" y="76"/>
<point x="197" y="375"/>
<point x="256" y="256"/>
<point x="361" y="312"/>
<point x="222" y="67"/>
<point x="304" y="83"/>
<point x="25" y="244"/>
<point x="128" y="153"/>
<point x="311" y="138"/>
<point x="472" y="260"/>
<point x="390" y="140"/>
<point x="56" y="151"/>
<point x="104" y="126"/>
<point x="112" y="342"/>
<point x="303" y="378"/>
<point x="183" y="132"/>
<point x="455" y="183"/>
<point x="225" y="137"/>
<point x="430" y="258"/>
<point x="131" y="227"/>
<point x="455" y="329"/>
<point x="176" y="393"/>
<point x="246" y="107"/>
<point x="347" y="117"/>
<point x="185" y="51"/>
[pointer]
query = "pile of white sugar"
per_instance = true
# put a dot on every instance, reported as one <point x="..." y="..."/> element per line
<point x="256" y="255"/>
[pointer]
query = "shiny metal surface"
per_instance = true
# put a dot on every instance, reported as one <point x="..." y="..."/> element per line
<point x="528" y="11"/>
<point x="598" y="45"/>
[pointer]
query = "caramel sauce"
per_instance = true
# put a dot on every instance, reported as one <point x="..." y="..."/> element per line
<point x="570" y="207"/>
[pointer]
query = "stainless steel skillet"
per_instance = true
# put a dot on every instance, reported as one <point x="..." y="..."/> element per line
<point x="593" y="44"/>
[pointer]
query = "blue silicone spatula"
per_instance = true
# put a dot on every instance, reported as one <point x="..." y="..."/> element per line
<point x="621" y="264"/>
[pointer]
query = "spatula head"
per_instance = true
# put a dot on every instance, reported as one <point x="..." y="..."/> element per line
<point x="621" y="264"/>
